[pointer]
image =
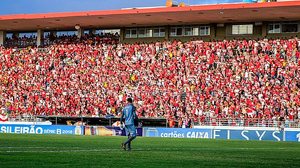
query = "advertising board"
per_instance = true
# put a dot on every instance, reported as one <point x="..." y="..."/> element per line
<point x="108" y="131"/>
<point x="292" y="134"/>
<point x="232" y="133"/>
<point x="248" y="134"/>
<point x="177" y="132"/>
<point x="41" y="129"/>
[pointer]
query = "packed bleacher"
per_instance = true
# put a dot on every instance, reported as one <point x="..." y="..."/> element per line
<point x="192" y="81"/>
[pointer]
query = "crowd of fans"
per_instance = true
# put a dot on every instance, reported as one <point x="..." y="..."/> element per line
<point x="24" y="41"/>
<point x="183" y="81"/>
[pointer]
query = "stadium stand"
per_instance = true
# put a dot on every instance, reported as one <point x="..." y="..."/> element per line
<point x="190" y="82"/>
<point x="214" y="64"/>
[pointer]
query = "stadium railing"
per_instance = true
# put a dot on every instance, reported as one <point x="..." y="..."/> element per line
<point x="161" y="122"/>
<point x="250" y="122"/>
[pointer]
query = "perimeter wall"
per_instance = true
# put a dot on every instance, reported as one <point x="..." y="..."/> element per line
<point x="199" y="132"/>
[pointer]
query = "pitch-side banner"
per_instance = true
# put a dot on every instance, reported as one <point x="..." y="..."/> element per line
<point x="248" y="134"/>
<point x="108" y="131"/>
<point x="177" y="132"/>
<point x="233" y="133"/>
<point x="292" y="134"/>
<point x="41" y="129"/>
<point x="245" y="133"/>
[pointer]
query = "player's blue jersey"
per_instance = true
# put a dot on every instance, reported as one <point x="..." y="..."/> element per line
<point x="129" y="114"/>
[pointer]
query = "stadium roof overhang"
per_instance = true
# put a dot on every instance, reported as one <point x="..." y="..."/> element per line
<point x="136" y="17"/>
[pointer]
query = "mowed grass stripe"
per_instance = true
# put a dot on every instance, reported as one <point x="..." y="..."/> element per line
<point x="54" y="149"/>
<point x="92" y="151"/>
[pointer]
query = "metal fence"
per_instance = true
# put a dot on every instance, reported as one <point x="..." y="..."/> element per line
<point x="161" y="122"/>
<point x="96" y="121"/>
<point x="250" y="122"/>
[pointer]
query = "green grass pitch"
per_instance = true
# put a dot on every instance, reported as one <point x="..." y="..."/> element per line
<point x="94" y="151"/>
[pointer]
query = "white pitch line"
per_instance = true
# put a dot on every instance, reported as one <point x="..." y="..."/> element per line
<point x="138" y="149"/>
<point x="60" y="151"/>
<point x="25" y="147"/>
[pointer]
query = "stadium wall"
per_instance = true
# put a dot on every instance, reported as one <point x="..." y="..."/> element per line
<point x="283" y="35"/>
<point x="257" y="32"/>
<point x="217" y="32"/>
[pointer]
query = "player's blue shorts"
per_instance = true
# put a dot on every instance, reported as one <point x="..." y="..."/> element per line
<point x="130" y="130"/>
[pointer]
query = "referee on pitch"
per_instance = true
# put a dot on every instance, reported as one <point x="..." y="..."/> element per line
<point x="129" y="115"/>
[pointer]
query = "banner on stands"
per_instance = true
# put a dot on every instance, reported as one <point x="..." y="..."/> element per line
<point x="41" y="129"/>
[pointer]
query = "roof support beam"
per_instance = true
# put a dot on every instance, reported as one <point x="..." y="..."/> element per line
<point x="2" y="37"/>
<point x="40" y="38"/>
<point x="80" y="32"/>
